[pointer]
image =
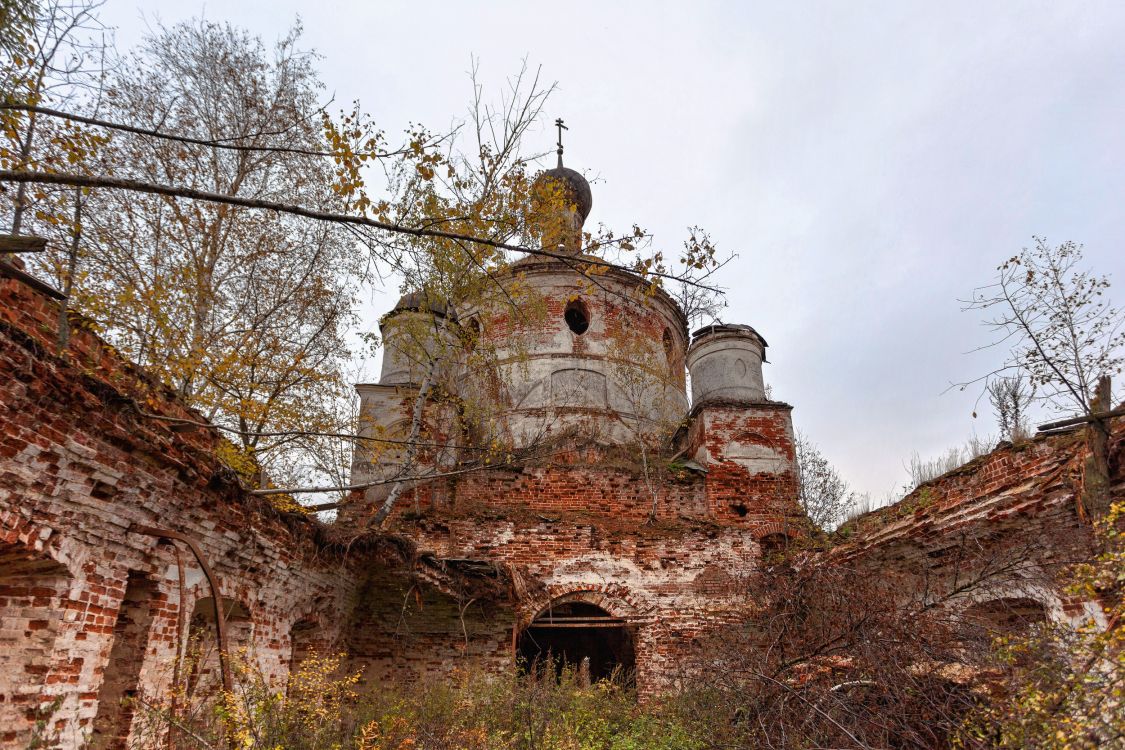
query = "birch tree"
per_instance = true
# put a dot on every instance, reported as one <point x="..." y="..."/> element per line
<point x="243" y="313"/>
<point x="230" y="217"/>
<point x="1057" y="321"/>
<point x="821" y="491"/>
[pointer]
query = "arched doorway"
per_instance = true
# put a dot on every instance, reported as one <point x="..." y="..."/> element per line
<point x="582" y="636"/>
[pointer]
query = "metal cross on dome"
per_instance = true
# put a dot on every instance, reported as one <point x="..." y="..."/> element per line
<point x="561" y="127"/>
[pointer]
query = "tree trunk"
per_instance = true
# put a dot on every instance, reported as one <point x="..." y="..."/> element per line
<point x="71" y="271"/>
<point x="21" y="190"/>
<point x="1095" y="480"/>
<point x="415" y="427"/>
<point x="411" y="449"/>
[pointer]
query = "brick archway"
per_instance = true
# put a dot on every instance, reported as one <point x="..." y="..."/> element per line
<point x="579" y="630"/>
<point x="615" y="599"/>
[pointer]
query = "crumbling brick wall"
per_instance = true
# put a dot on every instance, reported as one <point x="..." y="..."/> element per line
<point x="79" y="466"/>
<point x="405" y="629"/>
<point x="82" y="464"/>
<point x="669" y="552"/>
<point x="750" y="453"/>
<point x="86" y="460"/>
<point x="1002" y="527"/>
<point x="584" y="530"/>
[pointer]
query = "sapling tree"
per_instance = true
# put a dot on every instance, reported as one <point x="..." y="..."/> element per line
<point x="1010" y="396"/>
<point x="1058" y="322"/>
<point x="821" y="491"/>
<point x="647" y="378"/>
<point x="480" y="190"/>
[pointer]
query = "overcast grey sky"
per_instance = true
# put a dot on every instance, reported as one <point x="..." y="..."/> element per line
<point x="869" y="162"/>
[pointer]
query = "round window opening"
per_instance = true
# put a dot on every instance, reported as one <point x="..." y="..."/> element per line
<point x="577" y="317"/>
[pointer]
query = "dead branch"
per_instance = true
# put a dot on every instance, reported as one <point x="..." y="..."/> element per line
<point x="137" y="186"/>
<point x="1084" y="419"/>
<point x="305" y="433"/>
<point x="171" y="719"/>
<point x="368" y="485"/>
<point x="210" y="143"/>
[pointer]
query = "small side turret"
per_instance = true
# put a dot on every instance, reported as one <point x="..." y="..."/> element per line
<point x="725" y="362"/>
<point x="744" y="440"/>
<point x="411" y="336"/>
<point x="419" y="339"/>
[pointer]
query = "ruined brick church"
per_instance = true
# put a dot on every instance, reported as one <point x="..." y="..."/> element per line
<point x="123" y="535"/>
<point x="611" y="564"/>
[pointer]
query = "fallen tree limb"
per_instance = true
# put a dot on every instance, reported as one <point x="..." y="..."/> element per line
<point x="1084" y="419"/>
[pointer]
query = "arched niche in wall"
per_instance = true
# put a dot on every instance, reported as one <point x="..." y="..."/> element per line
<point x="1005" y="615"/>
<point x="470" y="332"/>
<point x="306" y="640"/>
<point x="202" y="660"/>
<point x="577" y="387"/>
<point x="671" y="358"/>
<point x="33" y="588"/>
<point x="120" y="684"/>
<point x="773" y="545"/>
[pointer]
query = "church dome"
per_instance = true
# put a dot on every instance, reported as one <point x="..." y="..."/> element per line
<point x="561" y="201"/>
<point x="573" y="186"/>
<point x="416" y="302"/>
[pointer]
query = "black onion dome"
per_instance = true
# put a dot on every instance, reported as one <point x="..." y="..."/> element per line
<point x="575" y="187"/>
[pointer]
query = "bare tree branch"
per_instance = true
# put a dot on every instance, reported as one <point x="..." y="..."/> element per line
<point x="117" y="183"/>
<point x="209" y="142"/>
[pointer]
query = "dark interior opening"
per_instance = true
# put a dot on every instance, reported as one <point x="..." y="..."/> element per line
<point x="470" y="334"/>
<point x="1008" y="615"/>
<point x="303" y="638"/>
<point x="577" y="317"/>
<point x="773" y="545"/>
<point x="581" y="636"/>
<point x="203" y="651"/>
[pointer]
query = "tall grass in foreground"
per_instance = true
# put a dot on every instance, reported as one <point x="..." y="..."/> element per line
<point x="327" y="708"/>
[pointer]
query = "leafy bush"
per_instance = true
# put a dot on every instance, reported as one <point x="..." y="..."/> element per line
<point x="1060" y="687"/>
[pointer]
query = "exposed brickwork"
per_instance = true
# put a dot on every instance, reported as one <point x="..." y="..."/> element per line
<point x="82" y="597"/>
<point x="1012" y="518"/>
<point x="668" y="580"/>
<point x="78" y="466"/>
<point x="581" y="527"/>
<point x="598" y="490"/>
<point x="751" y="460"/>
<point x="404" y="630"/>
